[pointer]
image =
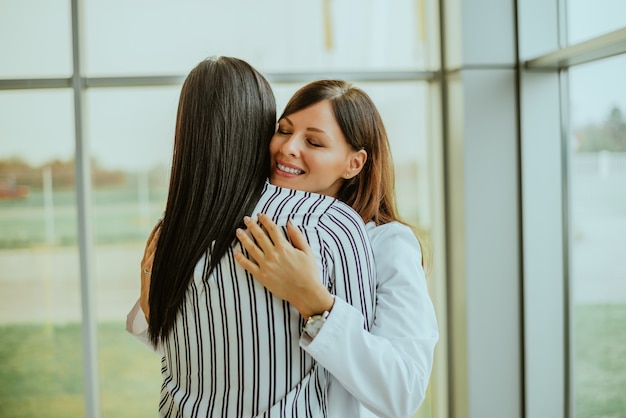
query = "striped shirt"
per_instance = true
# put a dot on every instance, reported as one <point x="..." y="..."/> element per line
<point x="234" y="350"/>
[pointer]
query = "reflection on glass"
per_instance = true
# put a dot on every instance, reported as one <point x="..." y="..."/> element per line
<point x="40" y="341"/>
<point x="35" y="39"/>
<point x="598" y="238"/>
<point x="274" y="35"/>
<point x="587" y="19"/>
<point x="131" y="136"/>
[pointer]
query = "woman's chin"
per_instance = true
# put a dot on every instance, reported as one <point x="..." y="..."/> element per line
<point x="280" y="181"/>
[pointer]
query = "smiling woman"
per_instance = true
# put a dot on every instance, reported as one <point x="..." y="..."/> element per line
<point x="333" y="122"/>
<point x="310" y="152"/>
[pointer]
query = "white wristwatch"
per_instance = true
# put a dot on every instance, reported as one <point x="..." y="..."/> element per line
<point x="315" y="323"/>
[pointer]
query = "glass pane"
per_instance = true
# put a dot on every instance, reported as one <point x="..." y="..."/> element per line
<point x="275" y="35"/>
<point x="131" y="134"/>
<point x="35" y="38"/>
<point x="588" y="19"/>
<point x="598" y="237"/>
<point x="40" y="340"/>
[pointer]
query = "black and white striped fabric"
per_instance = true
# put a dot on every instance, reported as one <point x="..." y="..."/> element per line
<point x="234" y="351"/>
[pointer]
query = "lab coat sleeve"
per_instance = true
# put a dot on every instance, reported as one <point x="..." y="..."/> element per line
<point x="388" y="368"/>
<point x="137" y="325"/>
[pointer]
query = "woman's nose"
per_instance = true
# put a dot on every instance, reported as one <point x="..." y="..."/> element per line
<point x="290" y="146"/>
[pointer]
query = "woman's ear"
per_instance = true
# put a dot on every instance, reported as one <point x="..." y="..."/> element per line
<point x="356" y="163"/>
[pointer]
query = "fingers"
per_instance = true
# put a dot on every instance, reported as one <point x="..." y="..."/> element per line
<point x="152" y="241"/>
<point x="255" y="252"/>
<point x="275" y="233"/>
<point x="152" y="244"/>
<point x="249" y="265"/>
<point x="262" y="239"/>
<point x="146" y="265"/>
<point x="150" y="251"/>
<point x="297" y="238"/>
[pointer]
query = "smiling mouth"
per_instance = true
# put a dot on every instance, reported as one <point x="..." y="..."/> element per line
<point x="289" y="169"/>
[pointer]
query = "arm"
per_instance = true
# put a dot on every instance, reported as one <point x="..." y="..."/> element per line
<point x="137" y="325"/>
<point x="290" y="272"/>
<point x="146" y="268"/>
<point x="398" y="349"/>
<point x="137" y="318"/>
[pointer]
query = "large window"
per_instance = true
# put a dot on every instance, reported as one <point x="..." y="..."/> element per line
<point x="35" y="39"/>
<point x="597" y="172"/>
<point x="573" y="142"/>
<point x="596" y="228"/>
<point x="133" y="57"/>
<point x="276" y="35"/>
<point x="40" y="338"/>
<point x="586" y="20"/>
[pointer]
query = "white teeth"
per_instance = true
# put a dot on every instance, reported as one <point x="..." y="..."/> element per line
<point x="289" y="169"/>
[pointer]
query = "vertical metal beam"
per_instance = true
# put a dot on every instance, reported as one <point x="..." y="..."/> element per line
<point x="568" y="401"/>
<point x="543" y="246"/>
<point x="446" y="409"/>
<point x="568" y="359"/>
<point x="85" y="244"/>
<point x="520" y="225"/>
<point x="483" y="209"/>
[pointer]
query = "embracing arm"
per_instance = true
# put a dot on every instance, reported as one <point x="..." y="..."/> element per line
<point x="289" y="272"/>
<point x="398" y="350"/>
<point x="137" y="318"/>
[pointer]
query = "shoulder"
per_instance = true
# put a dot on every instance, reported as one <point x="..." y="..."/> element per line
<point x="393" y="238"/>
<point x="332" y="219"/>
<point x="391" y="231"/>
<point x="341" y="210"/>
<point x="340" y="218"/>
<point x="318" y="208"/>
<point x="279" y="201"/>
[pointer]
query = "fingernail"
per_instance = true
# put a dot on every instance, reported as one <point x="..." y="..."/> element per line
<point x="239" y="231"/>
<point x="247" y="219"/>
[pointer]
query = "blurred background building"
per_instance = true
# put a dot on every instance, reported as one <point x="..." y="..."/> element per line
<point x="508" y="129"/>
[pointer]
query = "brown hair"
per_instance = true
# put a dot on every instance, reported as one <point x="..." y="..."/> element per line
<point x="371" y="192"/>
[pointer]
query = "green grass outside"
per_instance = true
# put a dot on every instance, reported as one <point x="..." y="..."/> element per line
<point x="600" y="361"/>
<point x="41" y="369"/>
<point x="116" y="215"/>
<point x="41" y="372"/>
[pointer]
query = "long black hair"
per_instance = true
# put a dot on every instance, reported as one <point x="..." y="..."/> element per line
<point x="226" y="118"/>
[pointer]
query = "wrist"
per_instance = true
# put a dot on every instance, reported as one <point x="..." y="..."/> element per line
<point x="323" y="302"/>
